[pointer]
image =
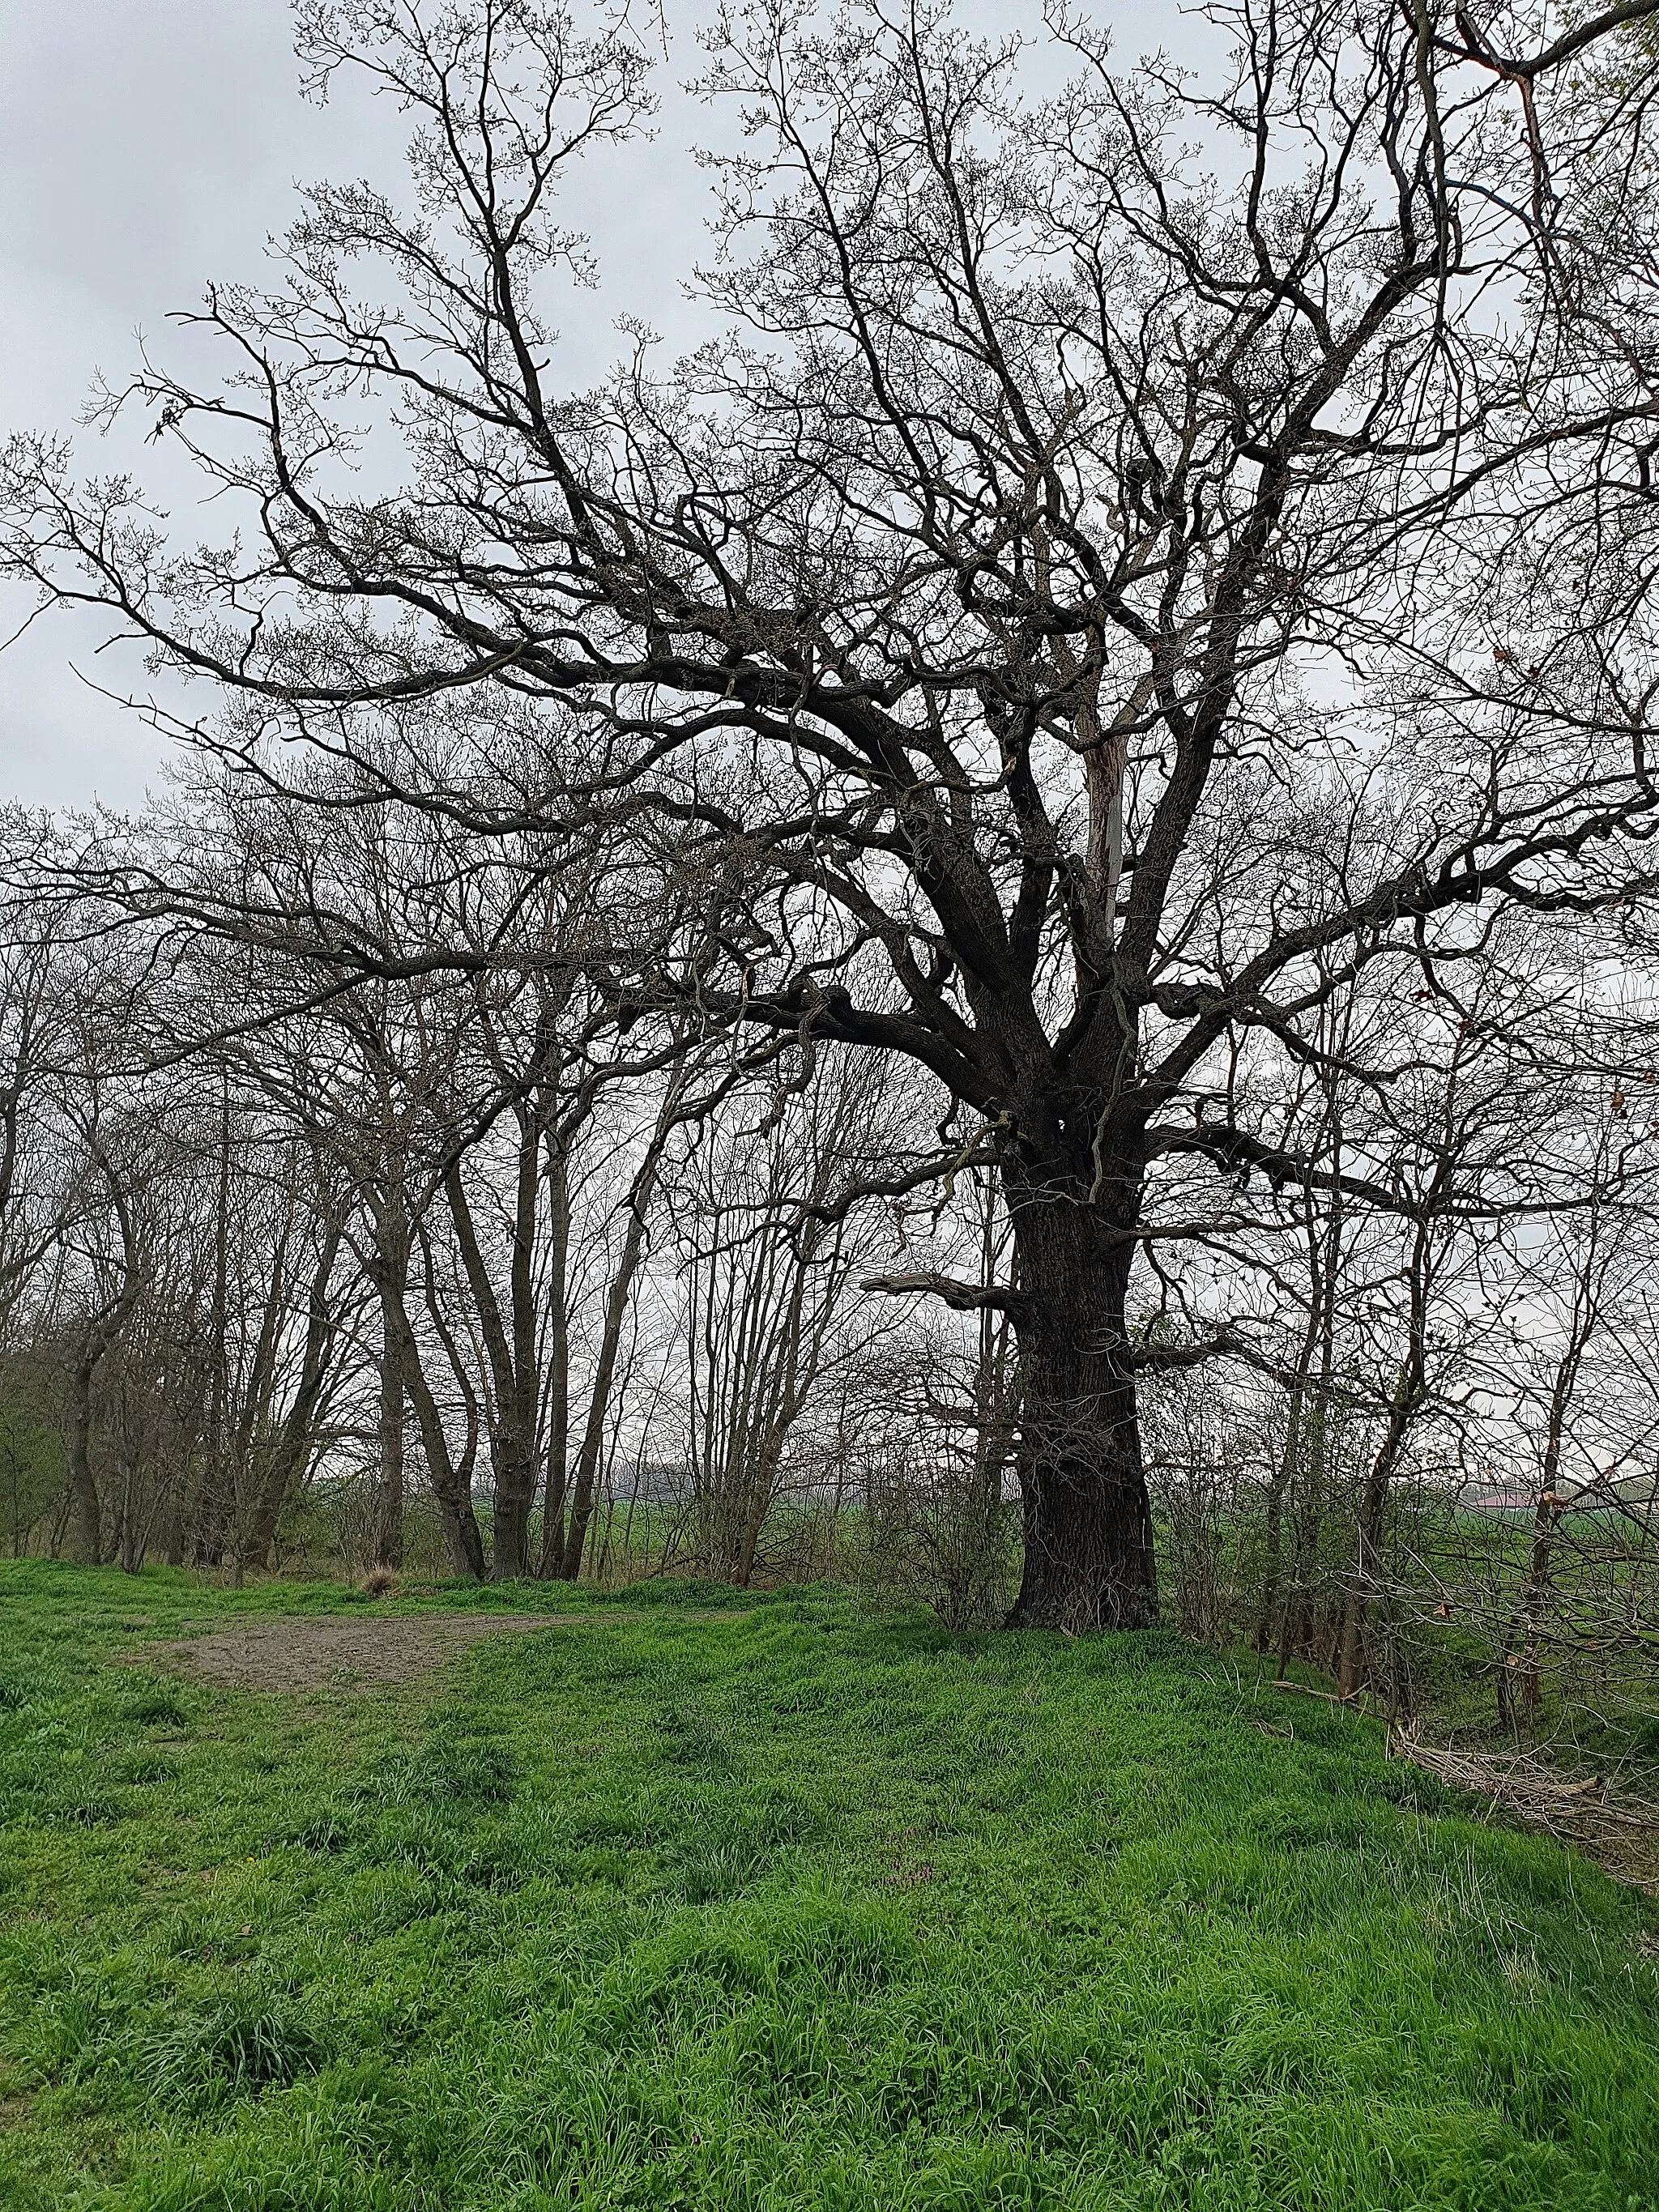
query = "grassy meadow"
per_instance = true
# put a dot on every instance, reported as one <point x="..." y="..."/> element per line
<point x="806" y="1908"/>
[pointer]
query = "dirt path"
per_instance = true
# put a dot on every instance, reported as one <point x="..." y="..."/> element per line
<point x="305" y="1651"/>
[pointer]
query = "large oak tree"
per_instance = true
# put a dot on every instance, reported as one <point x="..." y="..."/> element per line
<point x="1134" y="550"/>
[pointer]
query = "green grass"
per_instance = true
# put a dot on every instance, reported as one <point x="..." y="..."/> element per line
<point x="805" y="1910"/>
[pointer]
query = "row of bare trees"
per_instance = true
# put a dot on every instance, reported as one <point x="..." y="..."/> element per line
<point x="447" y="1242"/>
<point x="443" y="1235"/>
<point x="1086" y="759"/>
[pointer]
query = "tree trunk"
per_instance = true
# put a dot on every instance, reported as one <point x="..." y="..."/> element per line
<point x="1370" y="1527"/>
<point x="615" y="1312"/>
<point x="386" y="1534"/>
<point x="1279" y="1483"/>
<point x="761" y="1487"/>
<point x="84" y="1483"/>
<point x="295" y="1440"/>
<point x="216" y="1504"/>
<point x="1086" y="1514"/>
<point x="1520" y="1681"/>
<point x="83" y="1486"/>
<point x="558" y="1366"/>
<point x="592" y="1443"/>
<point x="512" y="1357"/>
<point x="101" y="1334"/>
<point x="452" y="1483"/>
<point x="1406" y="1402"/>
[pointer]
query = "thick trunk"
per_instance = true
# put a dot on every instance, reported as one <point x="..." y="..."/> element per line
<point x="762" y="1488"/>
<point x="1087" y="1517"/>
<point x="132" y="1519"/>
<point x="514" y="1491"/>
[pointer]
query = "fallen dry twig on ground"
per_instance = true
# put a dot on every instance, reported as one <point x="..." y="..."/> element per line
<point x="1620" y="1835"/>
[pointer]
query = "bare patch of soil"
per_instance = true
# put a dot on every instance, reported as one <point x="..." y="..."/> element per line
<point x="303" y="1653"/>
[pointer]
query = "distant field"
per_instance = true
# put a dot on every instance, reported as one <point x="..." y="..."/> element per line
<point x="797" y="1909"/>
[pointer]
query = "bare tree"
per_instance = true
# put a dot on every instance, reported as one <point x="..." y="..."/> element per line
<point x="1162" y="547"/>
<point x="772" y="1256"/>
<point x="935" y="1427"/>
<point x="41" y="992"/>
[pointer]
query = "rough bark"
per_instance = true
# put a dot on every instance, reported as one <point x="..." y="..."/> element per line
<point x="1086" y="1514"/>
<point x="1099" y="484"/>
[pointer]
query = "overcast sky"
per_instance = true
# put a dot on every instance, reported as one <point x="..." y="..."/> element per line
<point x="147" y="146"/>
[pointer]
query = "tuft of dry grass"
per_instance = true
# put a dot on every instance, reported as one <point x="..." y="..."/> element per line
<point x="379" y="1581"/>
<point x="1617" y="1833"/>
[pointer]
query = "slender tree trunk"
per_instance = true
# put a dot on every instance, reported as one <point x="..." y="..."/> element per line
<point x="386" y="1533"/>
<point x="215" y="1504"/>
<point x="1520" y="1683"/>
<point x="1520" y="1677"/>
<point x="254" y="1422"/>
<point x="1086" y="1514"/>
<point x="295" y="1441"/>
<point x="615" y="1312"/>
<point x="1278" y="1488"/>
<point x="512" y="1513"/>
<point x="1369" y="1531"/>
<point x="83" y="1484"/>
<point x="452" y="1482"/>
<point x="101" y="1334"/>
<point x="593" y="1443"/>
<point x="1371" y="1525"/>
<point x="1298" y="1626"/>
<point x="512" y="1357"/>
<point x="558" y="1364"/>
<point x="386" y="1542"/>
